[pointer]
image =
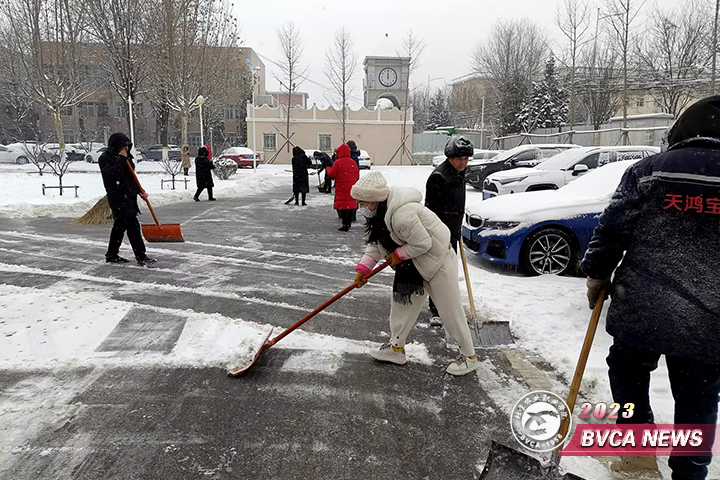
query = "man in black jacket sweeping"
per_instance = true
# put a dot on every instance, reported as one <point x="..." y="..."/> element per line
<point x="663" y="223"/>
<point x="122" y="192"/>
<point x="445" y="194"/>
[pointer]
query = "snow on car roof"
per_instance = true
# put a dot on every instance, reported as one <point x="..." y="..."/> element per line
<point x="585" y="195"/>
<point x="236" y="150"/>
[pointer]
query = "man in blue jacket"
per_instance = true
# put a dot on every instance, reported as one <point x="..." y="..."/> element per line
<point x="663" y="223"/>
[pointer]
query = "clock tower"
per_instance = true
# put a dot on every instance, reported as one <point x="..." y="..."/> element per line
<point x="386" y="77"/>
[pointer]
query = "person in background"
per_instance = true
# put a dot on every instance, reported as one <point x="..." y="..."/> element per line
<point x="399" y="228"/>
<point x="355" y="155"/>
<point x="203" y="174"/>
<point x="185" y="157"/>
<point x="122" y="192"/>
<point x="325" y="163"/>
<point x="445" y="195"/>
<point x="300" y="165"/>
<point x="346" y="173"/>
<point x="663" y="224"/>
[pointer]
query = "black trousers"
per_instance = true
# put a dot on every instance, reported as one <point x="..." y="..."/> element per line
<point x="132" y="227"/>
<point x="346" y="217"/>
<point x="297" y="196"/>
<point x="695" y="387"/>
<point x="328" y="184"/>
<point x="199" y="191"/>
<point x="433" y="309"/>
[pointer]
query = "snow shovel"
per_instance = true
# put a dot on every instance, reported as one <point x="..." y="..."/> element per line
<point x="484" y="333"/>
<point x="169" y="232"/>
<point x="505" y="463"/>
<point x="234" y="372"/>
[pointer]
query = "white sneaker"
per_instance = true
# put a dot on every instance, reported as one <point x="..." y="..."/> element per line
<point x="435" y="321"/>
<point x="463" y="365"/>
<point x="385" y="353"/>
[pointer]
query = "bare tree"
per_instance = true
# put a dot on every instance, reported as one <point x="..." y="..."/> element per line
<point x="510" y="59"/>
<point x="673" y="55"/>
<point x="573" y="20"/>
<point x="44" y="37"/>
<point x="622" y="16"/>
<point x="195" y="54"/>
<point x="340" y="64"/>
<point x="292" y="72"/>
<point x="599" y="93"/>
<point x="120" y="26"/>
<point x="412" y="48"/>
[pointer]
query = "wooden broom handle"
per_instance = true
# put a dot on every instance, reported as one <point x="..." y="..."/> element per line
<point x="582" y="361"/>
<point x="152" y="212"/>
<point x="467" y="280"/>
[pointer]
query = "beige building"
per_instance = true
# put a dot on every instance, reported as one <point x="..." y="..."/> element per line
<point x="377" y="131"/>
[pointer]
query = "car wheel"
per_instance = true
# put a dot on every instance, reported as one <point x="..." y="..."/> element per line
<point x="21" y="160"/>
<point x="549" y="251"/>
<point x="88" y="158"/>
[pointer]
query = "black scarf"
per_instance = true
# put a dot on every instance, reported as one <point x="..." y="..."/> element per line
<point x="408" y="281"/>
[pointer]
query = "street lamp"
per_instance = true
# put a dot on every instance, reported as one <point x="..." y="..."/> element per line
<point x="431" y="80"/>
<point x="200" y="100"/>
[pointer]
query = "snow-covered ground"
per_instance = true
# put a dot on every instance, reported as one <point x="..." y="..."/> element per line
<point x="548" y="314"/>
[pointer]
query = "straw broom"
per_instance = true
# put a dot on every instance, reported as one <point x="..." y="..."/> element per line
<point x="99" y="214"/>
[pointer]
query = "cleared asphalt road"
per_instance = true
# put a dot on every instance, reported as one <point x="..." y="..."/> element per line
<point x="364" y="420"/>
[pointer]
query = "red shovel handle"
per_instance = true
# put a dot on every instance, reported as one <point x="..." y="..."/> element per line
<point x="321" y="308"/>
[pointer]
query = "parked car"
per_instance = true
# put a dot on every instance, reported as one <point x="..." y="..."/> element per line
<point x="154" y="153"/>
<point x="545" y="232"/>
<point x="365" y="161"/>
<point x="243" y="156"/>
<point x="87" y="151"/>
<point x="476" y="158"/>
<point x="522" y="156"/>
<point x="13" y="154"/>
<point x="561" y="169"/>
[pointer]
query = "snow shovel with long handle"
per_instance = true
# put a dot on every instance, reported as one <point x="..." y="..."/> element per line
<point x="505" y="463"/>
<point x="169" y="232"/>
<point x="485" y="333"/>
<point x="234" y="372"/>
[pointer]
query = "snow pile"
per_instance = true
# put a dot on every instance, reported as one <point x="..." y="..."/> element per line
<point x="21" y="195"/>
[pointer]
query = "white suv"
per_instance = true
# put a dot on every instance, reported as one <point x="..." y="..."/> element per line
<point x="560" y="170"/>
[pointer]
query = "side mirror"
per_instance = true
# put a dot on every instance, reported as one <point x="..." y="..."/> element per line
<point x="580" y="169"/>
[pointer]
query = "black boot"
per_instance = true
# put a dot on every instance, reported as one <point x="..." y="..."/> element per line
<point x="115" y="259"/>
<point x="145" y="261"/>
<point x="196" y="199"/>
<point x="344" y="228"/>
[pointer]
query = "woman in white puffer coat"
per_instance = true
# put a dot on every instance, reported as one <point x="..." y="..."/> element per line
<point x="400" y="228"/>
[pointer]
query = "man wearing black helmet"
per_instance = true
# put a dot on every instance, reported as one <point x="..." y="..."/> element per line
<point x="122" y="192"/>
<point x="445" y="193"/>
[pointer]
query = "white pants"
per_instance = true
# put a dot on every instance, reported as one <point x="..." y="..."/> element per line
<point x="445" y="292"/>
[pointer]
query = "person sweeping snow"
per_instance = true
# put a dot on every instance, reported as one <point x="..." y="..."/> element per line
<point x="399" y="228"/>
<point x="663" y="224"/>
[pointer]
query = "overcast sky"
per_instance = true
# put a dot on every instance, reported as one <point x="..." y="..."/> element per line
<point x="450" y="30"/>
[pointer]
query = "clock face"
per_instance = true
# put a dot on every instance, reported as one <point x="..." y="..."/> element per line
<point x="387" y="77"/>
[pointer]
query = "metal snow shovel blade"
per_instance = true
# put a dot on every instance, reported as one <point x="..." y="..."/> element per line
<point x="505" y="463"/>
<point x="484" y="333"/>
<point x="234" y="372"/>
<point x="169" y="232"/>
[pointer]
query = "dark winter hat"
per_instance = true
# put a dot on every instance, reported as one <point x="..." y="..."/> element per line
<point x="351" y="144"/>
<point x="297" y="151"/>
<point x="701" y="119"/>
<point x="203" y="152"/>
<point x="317" y="154"/>
<point x="459" y="147"/>
<point x="118" y="141"/>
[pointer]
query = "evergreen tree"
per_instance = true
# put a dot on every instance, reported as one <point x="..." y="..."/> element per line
<point x="548" y="106"/>
<point x="439" y="115"/>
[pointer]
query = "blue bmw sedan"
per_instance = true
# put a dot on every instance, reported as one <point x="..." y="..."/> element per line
<point x="545" y="232"/>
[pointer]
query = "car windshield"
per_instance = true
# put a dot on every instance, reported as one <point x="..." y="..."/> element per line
<point x="562" y="160"/>
<point x="601" y="183"/>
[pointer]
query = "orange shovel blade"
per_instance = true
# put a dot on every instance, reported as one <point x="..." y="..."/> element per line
<point x="167" y="232"/>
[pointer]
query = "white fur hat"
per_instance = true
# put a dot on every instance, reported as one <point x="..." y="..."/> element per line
<point x="371" y="188"/>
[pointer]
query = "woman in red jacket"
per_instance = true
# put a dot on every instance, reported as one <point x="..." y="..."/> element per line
<point x="346" y="173"/>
